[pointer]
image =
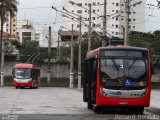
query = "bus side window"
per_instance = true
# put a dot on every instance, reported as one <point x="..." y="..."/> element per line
<point x="94" y="72"/>
<point x="33" y="73"/>
<point x="152" y="68"/>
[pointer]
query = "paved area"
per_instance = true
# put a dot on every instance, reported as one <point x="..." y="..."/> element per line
<point x="46" y="102"/>
<point x="155" y="102"/>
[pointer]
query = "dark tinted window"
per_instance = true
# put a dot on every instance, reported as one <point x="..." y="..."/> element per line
<point x="124" y="53"/>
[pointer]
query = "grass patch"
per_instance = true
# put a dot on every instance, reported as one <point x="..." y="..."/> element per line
<point x="8" y="80"/>
<point x="155" y="85"/>
<point x="55" y="82"/>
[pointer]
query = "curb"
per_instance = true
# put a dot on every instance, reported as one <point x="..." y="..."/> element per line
<point x="153" y="110"/>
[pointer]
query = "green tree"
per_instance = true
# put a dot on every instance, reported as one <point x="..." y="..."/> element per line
<point x="140" y="39"/>
<point x="28" y="51"/>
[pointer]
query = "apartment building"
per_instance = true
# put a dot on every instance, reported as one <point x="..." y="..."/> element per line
<point x="9" y="24"/>
<point x="25" y="31"/>
<point x="115" y="15"/>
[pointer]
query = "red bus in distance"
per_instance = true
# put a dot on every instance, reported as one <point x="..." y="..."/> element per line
<point x="26" y="75"/>
<point x="117" y="76"/>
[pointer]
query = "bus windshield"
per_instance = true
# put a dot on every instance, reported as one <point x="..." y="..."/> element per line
<point x="123" y="72"/>
<point x="22" y="73"/>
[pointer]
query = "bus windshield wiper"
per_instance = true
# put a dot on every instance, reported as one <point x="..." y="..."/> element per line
<point x="132" y="64"/>
<point x="117" y="68"/>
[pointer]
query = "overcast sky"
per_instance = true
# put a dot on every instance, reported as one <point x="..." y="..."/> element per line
<point x="41" y="14"/>
<point x="38" y="11"/>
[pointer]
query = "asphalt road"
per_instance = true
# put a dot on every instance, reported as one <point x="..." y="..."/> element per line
<point x="47" y="103"/>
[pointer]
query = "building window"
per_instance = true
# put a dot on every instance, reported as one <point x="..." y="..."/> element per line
<point x="98" y="10"/>
<point x="94" y="3"/>
<point x="93" y="11"/>
<point x="85" y="3"/>
<point x="134" y="12"/>
<point x="85" y="10"/>
<point x="122" y="19"/>
<point x="116" y="26"/>
<point x="112" y="3"/>
<point x="112" y="25"/>
<point x="117" y="33"/>
<point x="72" y="10"/>
<point x="134" y="19"/>
<point x="116" y="19"/>
<point x="26" y="36"/>
<point x="134" y="26"/>
<point x="79" y="4"/>
<point x="93" y="18"/>
<point x="79" y="11"/>
<point x="98" y="3"/>
<point x="97" y="17"/>
<point x="112" y="10"/>
<point x="93" y="25"/>
<point x="122" y="4"/>
<point x="117" y="4"/>
<point x="117" y="11"/>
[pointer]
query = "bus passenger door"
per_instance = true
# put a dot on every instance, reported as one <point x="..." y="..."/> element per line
<point x="89" y="84"/>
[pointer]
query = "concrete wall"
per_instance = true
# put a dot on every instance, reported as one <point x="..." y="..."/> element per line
<point x="156" y="75"/>
<point x="62" y="71"/>
<point x="58" y="70"/>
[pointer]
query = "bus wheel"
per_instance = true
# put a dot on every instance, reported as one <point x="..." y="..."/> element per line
<point x="140" y="110"/>
<point x="90" y="106"/>
<point x="16" y="87"/>
<point x="96" y="109"/>
<point x="137" y="110"/>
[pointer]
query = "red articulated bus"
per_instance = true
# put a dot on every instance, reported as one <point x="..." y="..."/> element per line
<point x="117" y="76"/>
<point x="26" y="75"/>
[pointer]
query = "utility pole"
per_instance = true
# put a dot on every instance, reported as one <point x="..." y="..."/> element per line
<point x="71" y="62"/>
<point x="89" y="30"/>
<point x="49" y="56"/>
<point x="2" y="46"/>
<point x="104" y="22"/>
<point x="79" y="54"/>
<point x="127" y="7"/>
<point x="58" y="48"/>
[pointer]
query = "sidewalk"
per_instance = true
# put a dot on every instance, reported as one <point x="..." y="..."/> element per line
<point x="155" y="102"/>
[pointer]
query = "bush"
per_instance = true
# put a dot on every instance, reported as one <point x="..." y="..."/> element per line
<point x="55" y="82"/>
<point x="155" y="85"/>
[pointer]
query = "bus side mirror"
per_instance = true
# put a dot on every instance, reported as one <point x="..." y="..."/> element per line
<point x="13" y="72"/>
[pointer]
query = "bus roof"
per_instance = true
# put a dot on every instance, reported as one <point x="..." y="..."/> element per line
<point x="123" y="47"/>
<point x="25" y="65"/>
<point x="110" y="47"/>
